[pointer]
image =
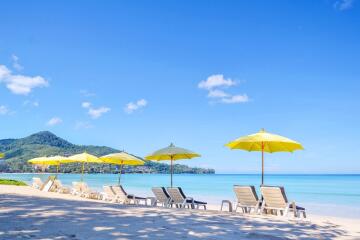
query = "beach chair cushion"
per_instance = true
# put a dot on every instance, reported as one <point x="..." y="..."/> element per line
<point x="195" y="201"/>
<point x="136" y="197"/>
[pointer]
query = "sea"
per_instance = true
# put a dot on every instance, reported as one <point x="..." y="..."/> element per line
<point x="321" y="194"/>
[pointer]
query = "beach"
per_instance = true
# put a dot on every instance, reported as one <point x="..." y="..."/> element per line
<point x="330" y="195"/>
<point x="27" y="213"/>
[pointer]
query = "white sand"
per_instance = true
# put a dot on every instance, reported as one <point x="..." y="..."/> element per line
<point x="26" y="213"/>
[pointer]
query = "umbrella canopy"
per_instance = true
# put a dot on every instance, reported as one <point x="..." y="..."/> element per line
<point x="172" y="153"/>
<point x="50" y="161"/>
<point x="121" y="158"/>
<point x="42" y="161"/>
<point x="2" y="155"/>
<point x="84" y="158"/>
<point x="264" y="142"/>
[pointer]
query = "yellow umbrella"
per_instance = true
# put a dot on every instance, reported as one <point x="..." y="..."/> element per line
<point x="50" y="161"/>
<point x="121" y="158"/>
<point x="2" y="155"/>
<point x="84" y="158"/>
<point x="264" y="142"/>
<point x="172" y="153"/>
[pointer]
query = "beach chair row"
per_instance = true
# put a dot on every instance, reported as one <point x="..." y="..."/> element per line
<point x="166" y="197"/>
<point x="273" y="201"/>
<point x="273" y="198"/>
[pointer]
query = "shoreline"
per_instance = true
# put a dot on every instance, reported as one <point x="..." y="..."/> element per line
<point x="328" y="197"/>
<point x="34" y="214"/>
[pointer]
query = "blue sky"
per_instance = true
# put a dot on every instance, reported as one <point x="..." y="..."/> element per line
<point x="139" y="75"/>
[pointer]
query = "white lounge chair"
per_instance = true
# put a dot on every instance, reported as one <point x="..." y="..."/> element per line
<point x="181" y="201"/>
<point x="58" y="187"/>
<point x="37" y="183"/>
<point x="109" y="194"/>
<point x="276" y="201"/>
<point x="76" y="189"/>
<point x="125" y="198"/>
<point x="82" y="189"/>
<point x="247" y="198"/>
<point x="48" y="184"/>
<point x="161" y="196"/>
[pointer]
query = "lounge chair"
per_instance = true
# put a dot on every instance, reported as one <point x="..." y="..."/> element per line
<point x="275" y="200"/>
<point x="37" y="183"/>
<point x="58" y="187"/>
<point x="76" y="189"/>
<point x="48" y="184"/>
<point x="247" y="198"/>
<point x="82" y="189"/>
<point x="162" y="197"/>
<point x="181" y="201"/>
<point x="125" y="198"/>
<point x="109" y="195"/>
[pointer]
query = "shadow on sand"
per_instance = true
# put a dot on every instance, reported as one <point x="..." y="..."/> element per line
<point x="25" y="217"/>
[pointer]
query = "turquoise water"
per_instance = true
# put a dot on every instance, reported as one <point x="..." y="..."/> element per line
<point x="333" y="195"/>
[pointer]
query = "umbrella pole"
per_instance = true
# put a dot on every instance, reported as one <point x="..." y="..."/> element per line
<point x="262" y="163"/>
<point x="172" y="171"/>
<point x="82" y="172"/>
<point x="121" y="167"/>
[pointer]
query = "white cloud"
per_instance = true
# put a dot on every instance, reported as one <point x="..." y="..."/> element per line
<point x="87" y="93"/>
<point x="236" y="99"/>
<point x="343" y="4"/>
<point x="98" y="112"/>
<point x="85" y="104"/>
<point x="16" y="63"/>
<point x="214" y="85"/>
<point x="95" y="112"/>
<point x="20" y="84"/>
<point x="3" y="110"/>
<point x="83" y="125"/>
<point x="4" y="72"/>
<point x="133" y="106"/>
<point x="216" y="80"/>
<point x="217" y="94"/>
<point x="54" y="121"/>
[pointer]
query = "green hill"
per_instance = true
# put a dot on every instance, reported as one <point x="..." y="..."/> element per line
<point x="18" y="151"/>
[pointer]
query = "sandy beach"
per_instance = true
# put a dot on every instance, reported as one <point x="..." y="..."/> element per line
<point x="26" y="213"/>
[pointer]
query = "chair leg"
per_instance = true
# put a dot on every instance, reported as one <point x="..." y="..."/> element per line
<point x="286" y="212"/>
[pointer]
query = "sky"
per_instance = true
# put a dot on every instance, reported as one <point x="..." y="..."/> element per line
<point x="138" y="75"/>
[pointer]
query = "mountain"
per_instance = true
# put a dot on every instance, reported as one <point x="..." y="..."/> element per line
<point x="18" y="151"/>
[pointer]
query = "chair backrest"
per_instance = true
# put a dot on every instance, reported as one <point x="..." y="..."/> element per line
<point x="37" y="183"/>
<point x="48" y="184"/>
<point x="246" y="195"/>
<point x="274" y="197"/>
<point x="119" y="191"/>
<point x="161" y="194"/>
<point x="56" y="185"/>
<point x="109" y="192"/>
<point x="176" y="194"/>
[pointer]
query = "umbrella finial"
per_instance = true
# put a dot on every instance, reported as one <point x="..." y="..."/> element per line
<point x="262" y="130"/>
